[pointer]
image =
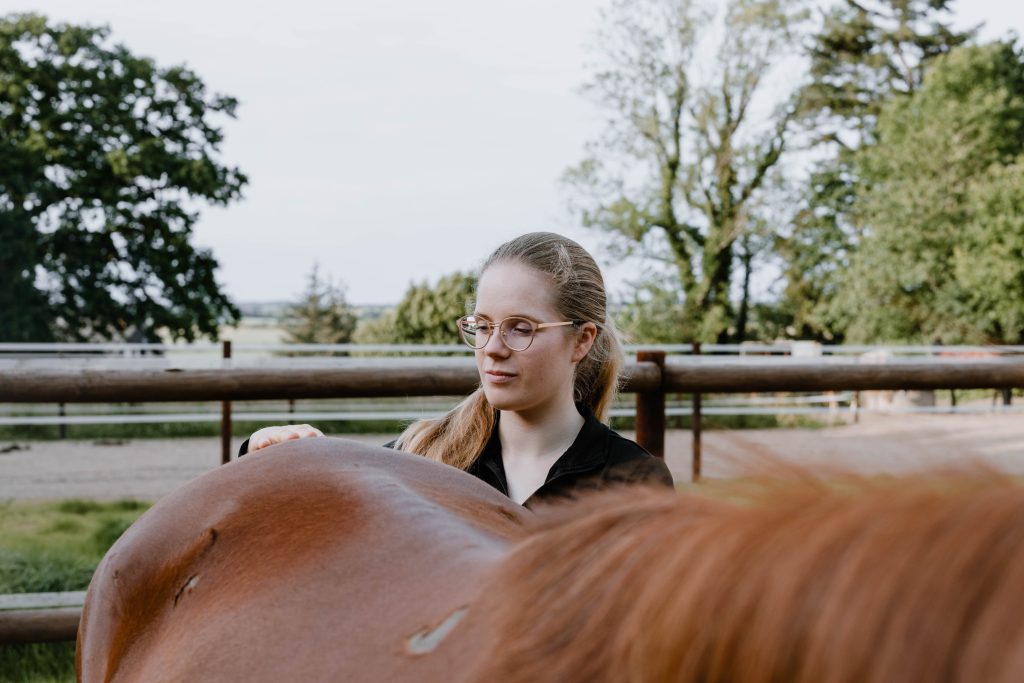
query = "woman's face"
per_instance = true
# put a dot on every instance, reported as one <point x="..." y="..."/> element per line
<point x="539" y="377"/>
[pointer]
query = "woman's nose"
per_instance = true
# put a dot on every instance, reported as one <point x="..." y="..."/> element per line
<point x="495" y="346"/>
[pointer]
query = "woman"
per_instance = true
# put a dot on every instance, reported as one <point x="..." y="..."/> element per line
<point x="548" y="358"/>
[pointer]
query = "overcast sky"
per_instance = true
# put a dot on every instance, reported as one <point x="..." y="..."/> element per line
<point x="389" y="140"/>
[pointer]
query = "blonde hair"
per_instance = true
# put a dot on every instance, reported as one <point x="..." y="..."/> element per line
<point x="458" y="437"/>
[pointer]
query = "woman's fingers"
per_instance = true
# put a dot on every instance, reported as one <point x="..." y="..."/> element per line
<point x="303" y="431"/>
<point x="268" y="436"/>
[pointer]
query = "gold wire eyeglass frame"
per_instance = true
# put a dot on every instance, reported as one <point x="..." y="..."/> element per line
<point x="477" y="339"/>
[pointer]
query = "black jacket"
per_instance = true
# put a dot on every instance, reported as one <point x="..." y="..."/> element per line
<point x="597" y="458"/>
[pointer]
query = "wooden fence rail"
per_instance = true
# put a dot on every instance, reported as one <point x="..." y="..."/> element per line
<point x="40" y="617"/>
<point x="381" y="379"/>
<point x="650" y="378"/>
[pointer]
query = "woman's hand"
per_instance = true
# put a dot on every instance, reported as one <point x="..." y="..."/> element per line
<point x="268" y="436"/>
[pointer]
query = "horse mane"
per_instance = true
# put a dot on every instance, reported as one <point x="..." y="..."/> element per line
<point x="793" y="579"/>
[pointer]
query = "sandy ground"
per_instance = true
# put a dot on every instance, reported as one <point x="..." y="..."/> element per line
<point x="149" y="469"/>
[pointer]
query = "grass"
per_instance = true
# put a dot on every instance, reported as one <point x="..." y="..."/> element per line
<point x="732" y="422"/>
<point x="174" y="430"/>
<point x="243" y="429"/>
<point x="54" y="546"/>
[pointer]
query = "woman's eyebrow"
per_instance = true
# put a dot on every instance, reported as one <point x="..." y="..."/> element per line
<point x="512" y="315"/>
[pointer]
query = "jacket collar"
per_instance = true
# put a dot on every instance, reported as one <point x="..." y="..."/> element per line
<point x="585" y="453"/>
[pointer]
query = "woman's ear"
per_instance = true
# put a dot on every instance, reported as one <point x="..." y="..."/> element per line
<point x="585" y="337"/>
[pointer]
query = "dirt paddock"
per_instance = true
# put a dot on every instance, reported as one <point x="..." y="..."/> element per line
<point x="893" y="444"/>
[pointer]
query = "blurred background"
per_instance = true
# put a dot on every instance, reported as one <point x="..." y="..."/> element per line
<point x="317" y="183"/>
<point x="744" y="171"/>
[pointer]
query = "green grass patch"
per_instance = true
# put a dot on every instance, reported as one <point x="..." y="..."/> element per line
<point x="242" y="429"/>
<point x="175" y="430"/>
<point x="54" y="546"/>
<point x="732" y="422"/>
<point x="37" y="663"/>
<point x="74" y="530"/>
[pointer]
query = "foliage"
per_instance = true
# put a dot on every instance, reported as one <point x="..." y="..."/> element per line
<point x="180" y="430"/>
<point x="427" y="315"/>
<point x="651" y="312"/>
<point x="22" y="306"/>
<point x="106" y="157"/>
<point x="942" y="255"/>
<point x="380" y="330"/>
<point x="866" y="53"/>
<point x="321" y="316"/>
<point x="682" y="162"/>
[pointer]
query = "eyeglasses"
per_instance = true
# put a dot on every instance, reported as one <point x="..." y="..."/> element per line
<point x="516" y="333"/>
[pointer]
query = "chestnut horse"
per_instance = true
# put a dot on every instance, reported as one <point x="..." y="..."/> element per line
<point x="327" y="560"/>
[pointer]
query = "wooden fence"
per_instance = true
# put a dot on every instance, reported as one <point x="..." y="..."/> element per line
<point x="650" y="378"/>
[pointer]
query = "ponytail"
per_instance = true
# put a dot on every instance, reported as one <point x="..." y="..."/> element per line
<point x="457" y="438"/>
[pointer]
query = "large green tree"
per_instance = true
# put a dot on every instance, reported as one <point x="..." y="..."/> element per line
<point x="679" y="169"/>
<point x="942" y="208"/>
<point x="106" y="159"/>
<point x="866" y="53"/>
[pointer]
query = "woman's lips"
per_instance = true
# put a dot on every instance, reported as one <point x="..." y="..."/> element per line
<point x="499" y="377"/>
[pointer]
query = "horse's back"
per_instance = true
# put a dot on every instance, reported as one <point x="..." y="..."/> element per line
<point x="319" y="560"/>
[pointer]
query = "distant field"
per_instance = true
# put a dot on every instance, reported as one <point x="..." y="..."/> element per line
<point x="266" y="328"/>
<point x="254" y="331"/>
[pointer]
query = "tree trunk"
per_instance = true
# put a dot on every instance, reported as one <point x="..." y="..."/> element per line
<point x="741" y="318"/>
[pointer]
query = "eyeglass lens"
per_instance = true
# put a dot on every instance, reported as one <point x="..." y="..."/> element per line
<point x="517" y="333"/>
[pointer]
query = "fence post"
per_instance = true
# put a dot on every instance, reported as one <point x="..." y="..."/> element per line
<point x="62" y="428"/>
<point x="225" y="419"/>
<point x="695" y="426"/>
<point x="650" y="409"/>
<point x="291" y="401"/>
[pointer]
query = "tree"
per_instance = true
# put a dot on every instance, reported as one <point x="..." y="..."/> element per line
<point x="21" y="303"/>
<point x="321" y="316"/>
<point x="866" y="53"/>
<point x="652" y="312"/>
<point x="942" y="253"/>
<point x="380" y="330"/>
<point x="106" y="157"/>
<point x="425" y="315"/>
<point x="681" y="163"/>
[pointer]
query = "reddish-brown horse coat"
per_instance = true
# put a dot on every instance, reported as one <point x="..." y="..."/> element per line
<point x="346" y="562"/>
<point x="333" y="564"/>
<point x="913" y="580"/>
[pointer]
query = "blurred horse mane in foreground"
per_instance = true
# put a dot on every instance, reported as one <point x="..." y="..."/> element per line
<point x="328" y="560"/>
